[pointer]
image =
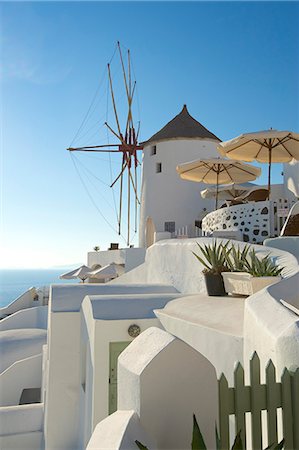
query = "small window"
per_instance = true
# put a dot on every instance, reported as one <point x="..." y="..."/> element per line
<point x="169" y="226"/>
<point x="154" y="150"/>
<point x="159" y="167"/>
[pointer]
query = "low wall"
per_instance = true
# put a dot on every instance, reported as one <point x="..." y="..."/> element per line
<point x="271" y="328"/>
<point x="20" y="344"/>
<point x="36" y="317"/>
<point x="171" y="262"/>
<point x="21" y="419"/>
<point x="23" y="301"/>
<point x="251" y="219"/>
<point x="22" y="441"/>
<point x="119" y="432"/>
<point x="23" y="374"/>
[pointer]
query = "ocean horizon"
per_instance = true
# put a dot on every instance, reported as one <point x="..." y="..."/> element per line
<point x="13" y="282"/>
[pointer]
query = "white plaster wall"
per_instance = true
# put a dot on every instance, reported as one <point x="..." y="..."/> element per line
<point x="165" y="381"/>
<point x="62" y="398"/>
<point x="98" y="335"/>
<point x="291" y="179"/>
<point x="213" y="326"/>
<point x="165" y="197"/>
<point x="21" y="419"/>
<point x="22" y="441"/>
<point x="171" y="262"/>
<point x="19" y="344"/>
<point x="270" y="328"/>
<point x="25" y="300"/>
<point x="35" y="317"/>
<point x="23" y="374"/>
<point x="64" y="362"/>
<point x="119" y="432"/>
<point x="287" y="243"/>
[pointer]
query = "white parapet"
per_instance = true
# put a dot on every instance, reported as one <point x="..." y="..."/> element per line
<point x="19" y="344"/>
<point x="35" y="317"/>
<point x="21" y="427"/>
<point x="23" y="374"/>
<point x="25" y="300"/>
<point x="165" y="381"/>
<point x="119" y="432"/>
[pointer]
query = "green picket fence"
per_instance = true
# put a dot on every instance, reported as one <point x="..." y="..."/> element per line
<point x="254" y="399"/>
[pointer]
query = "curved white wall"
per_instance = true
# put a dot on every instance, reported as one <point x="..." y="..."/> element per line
<point x="36" y="317"/>
<point x="165" y="197"/>
<point x="271" y="328"/>
<point x="25" y="300"/>
<point x="171" y="262"/>
<point x="20" y="344"/>
<point x="23" y="374"/>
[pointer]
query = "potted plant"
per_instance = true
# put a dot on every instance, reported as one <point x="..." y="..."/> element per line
<point x="214" y="259"/>
<point x="248" y="273"/>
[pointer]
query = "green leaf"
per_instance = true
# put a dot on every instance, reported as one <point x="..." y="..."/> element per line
<point x="140" y="446"/>
<point x="198" y="442"/>
<point x="218" y="441"/>
<point x="238" y="444"/>
<point x="279" y="446"/>
<point x="201" y="260"/>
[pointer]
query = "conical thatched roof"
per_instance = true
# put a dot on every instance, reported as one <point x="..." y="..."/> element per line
<point x="182" y="126"/>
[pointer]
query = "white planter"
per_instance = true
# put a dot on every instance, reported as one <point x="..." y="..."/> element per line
<point x="245" y="284"/>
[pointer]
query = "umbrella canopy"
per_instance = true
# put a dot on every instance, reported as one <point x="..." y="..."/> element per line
<point x="218" y="171"/>
<point x="228" y="191"/>
<point x="109" y="271"/>
<point x="263" y="146"/>
<point x="80" y="272"/>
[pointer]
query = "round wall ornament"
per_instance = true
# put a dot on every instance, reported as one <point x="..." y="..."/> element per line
<point x="134" y="330"/>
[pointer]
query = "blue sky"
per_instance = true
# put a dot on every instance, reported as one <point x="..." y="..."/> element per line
<point x="235" y="64"/>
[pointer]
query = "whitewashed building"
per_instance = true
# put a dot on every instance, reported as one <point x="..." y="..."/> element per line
<point x="168" y="202"/>
<point x="105" y="364"/>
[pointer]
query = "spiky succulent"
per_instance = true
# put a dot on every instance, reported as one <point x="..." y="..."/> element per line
<point x="214" y="257"/>
<point x="263" y="267"/>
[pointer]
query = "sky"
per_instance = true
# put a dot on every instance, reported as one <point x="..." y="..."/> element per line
<point x="235" y="65"/>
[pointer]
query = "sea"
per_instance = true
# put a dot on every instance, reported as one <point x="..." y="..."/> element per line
<point x="14" y="282"/>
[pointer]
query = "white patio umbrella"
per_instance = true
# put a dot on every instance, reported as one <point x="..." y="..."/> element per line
<point x="263" y="146"/>
<point x="218" y="171"/>
<point x="228" y="191"/>
<point x="111" y="271"/>
<point x="79" y="272"/>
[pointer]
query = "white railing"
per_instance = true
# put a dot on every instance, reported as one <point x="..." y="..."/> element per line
<point x="188" y="231"/>
<point x="256" y="221"/>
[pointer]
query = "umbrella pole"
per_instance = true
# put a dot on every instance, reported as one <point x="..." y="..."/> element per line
<point x="269" y="172"/>
<point x="216" y="206"/>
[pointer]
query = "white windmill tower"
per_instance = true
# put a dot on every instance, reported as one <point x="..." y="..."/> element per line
<point x="167" y="201"/>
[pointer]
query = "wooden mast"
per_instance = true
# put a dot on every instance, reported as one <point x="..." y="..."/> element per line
<point x="128" y="144"/>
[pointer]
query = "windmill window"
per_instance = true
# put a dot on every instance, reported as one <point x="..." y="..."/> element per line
<point x="169" y="226"/>
<point x="154" y="150"/>
<point x="158" y="167"/>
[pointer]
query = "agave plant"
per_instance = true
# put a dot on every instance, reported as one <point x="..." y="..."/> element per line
<point x="263" y="267"/>
<point x="237" y="259"/>
<point x="214" y="257"/>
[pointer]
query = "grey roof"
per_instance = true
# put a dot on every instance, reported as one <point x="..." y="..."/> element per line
<point x="182" y="126"/>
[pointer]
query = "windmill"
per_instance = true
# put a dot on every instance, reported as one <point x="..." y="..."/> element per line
<point x="127" y="144"/>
